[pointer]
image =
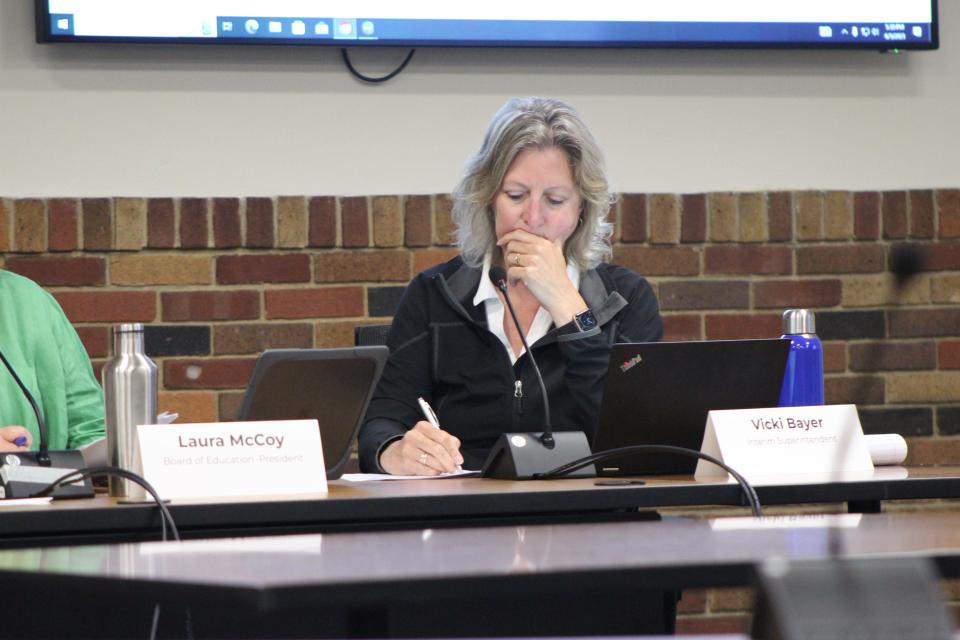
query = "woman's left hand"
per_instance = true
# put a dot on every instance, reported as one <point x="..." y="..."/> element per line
<point x="541" y="266"/>
<point x="10" y="436"/>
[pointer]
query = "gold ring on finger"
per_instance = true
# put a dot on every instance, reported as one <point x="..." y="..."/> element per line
<point x="422" y="459"/>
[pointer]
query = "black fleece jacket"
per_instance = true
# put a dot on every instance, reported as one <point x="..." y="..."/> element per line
<point x="441" y="349"/>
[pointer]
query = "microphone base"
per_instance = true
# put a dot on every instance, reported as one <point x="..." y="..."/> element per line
<point x="521" y="456"/>
<point x="21" y="476"/>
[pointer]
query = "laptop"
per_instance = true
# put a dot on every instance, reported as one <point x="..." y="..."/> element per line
<point x="660" y="393"/>
<point x="332" y="386"/>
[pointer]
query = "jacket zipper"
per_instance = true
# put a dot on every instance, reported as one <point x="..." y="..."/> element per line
<point x="518" y="396"/>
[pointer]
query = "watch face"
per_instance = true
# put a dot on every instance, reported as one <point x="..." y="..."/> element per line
<point x="586" y="320"/>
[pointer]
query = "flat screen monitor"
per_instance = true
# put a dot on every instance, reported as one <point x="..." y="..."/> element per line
<point x="829" y="24"/>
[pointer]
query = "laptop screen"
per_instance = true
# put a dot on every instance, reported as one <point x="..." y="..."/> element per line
<point x="661" y="392"/>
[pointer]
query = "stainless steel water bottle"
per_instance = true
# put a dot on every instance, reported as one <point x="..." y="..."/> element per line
<point x="803" y="378"/>
<point x="130" y="399"/>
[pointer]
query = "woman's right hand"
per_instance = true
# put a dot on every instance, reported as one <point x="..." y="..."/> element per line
<point x="9" y="436"/>
<point x="423" y="451"/>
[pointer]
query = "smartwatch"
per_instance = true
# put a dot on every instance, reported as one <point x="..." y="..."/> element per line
<point x="585" y="320"/>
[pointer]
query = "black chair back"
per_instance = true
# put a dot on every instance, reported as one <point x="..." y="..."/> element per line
<point x="369" y="335"/>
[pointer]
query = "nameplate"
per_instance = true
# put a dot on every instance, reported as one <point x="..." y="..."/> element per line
<point x="233" y="459"/>
<point x="786" y="441"/>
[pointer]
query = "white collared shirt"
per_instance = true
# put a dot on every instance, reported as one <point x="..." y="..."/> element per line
<point x="487" y="294"/>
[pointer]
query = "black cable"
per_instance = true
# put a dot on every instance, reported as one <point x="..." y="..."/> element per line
<point x="81" y="474"/>
<point x="371" y="79"/>
<point x="43" y="459"/>
<point x="751" y="495"/>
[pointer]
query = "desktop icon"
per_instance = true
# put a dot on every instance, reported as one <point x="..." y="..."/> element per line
<point x="826" y="31"/>
<point x="298" y="28"/>
<point x="875" y="31"/>
<point x="226" y="26"/>
<point x="366" y="27"/>
<point x="321" y="29"/>
<point x="252" y="26"/>
<point x="63" y="24"/>
<point x="275" y="26"/>
<point x="855" y="32"/>
<point x="918" y="32"/>
<point x="345" y="28"/>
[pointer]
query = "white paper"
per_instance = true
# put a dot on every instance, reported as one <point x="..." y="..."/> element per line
<point x="367" y="477"/>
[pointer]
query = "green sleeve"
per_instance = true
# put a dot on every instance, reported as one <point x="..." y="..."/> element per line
<point x="84" y="395"/>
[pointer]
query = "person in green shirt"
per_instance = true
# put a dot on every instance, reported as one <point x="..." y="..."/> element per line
<point x="44" y="349"/>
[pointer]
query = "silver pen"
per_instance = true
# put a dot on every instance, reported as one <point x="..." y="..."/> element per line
<point x="431" y="417"/>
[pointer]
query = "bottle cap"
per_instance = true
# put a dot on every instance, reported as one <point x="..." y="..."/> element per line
<point x="128" y="327"/>
<point x="798" y="321"/>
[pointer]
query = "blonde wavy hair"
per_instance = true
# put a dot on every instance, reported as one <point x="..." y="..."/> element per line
<point x="534" y="123"/>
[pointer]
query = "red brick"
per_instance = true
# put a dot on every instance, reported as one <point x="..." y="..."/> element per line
<point x="633" y="217"/>
<point x="704" y="294"/>
<point x="861" y="390"/>
<point x="260" y="222"/>
<point x="894" y="212"/>
<point x="834" y="357"/>
<point x="322" y="226"/>
<point x="330" y="302"/>
<point x="922" y="224"/>
<point x="948" y="208"/>
<point x="6" y="210"/>
<point x="60" y="271"/>
<point x="254" y="338"/>
<point x="161" y="230"/>
<point x="228" y="405"/>
<point x="780" y="216"/>
<point x="654" y="261"/>
<point x="693" y="601"/>
<point x="226" y="223"/>
<point x="424" y="259"/>
<point x="866" y="215"/>
<point x="911" y="323"/>
<point x="443" y="228"/>
<point x="892" y="356"/>
<point x="949" y="354"/>
<point x="97" y="224"/>
<point x="682" y="327"/>
<point x="725" y="624"/>
<point x="785" y="294"/>
<point x="748" y="259"/>
<point x="204" y="373"/>
<point x="96" y="340"/>
<point x="108" y="306"/>
<point x="273" y="267"/>
<point x="193" y="223"/>
<point x="355" y="223"/>
<point x="210" y="305"/>
<point x="363" y="266"/>
<point x="940" y="256"/>
<point x="737" y="326"/>
<point x="417" y="221"/>
<point x="29" y="225"/>
<point x="858" y="258"/>
<point x="693" y="218"/>
<point x="62" y="221"/>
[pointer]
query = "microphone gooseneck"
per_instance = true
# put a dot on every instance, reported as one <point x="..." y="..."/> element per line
<point x="43" y="457"/>
<point x="499" y="278"/>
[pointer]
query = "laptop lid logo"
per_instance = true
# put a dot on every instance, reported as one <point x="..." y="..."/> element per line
<point x="631" y="363"/>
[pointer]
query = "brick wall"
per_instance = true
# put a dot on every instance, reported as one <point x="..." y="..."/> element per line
<point x="218" y="280"/>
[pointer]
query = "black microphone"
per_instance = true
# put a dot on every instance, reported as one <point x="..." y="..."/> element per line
<point x="525" y="456"/>
<point x="22" y="473"/>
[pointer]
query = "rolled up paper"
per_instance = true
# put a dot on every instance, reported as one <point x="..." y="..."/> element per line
<point x="886" y="448"/>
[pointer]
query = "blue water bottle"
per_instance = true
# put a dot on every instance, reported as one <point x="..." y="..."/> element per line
<point x="803" y="378"/>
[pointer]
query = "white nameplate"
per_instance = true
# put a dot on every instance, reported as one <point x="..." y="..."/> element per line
<point x="233" y="459"/>
<point x="762" y="443"/>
